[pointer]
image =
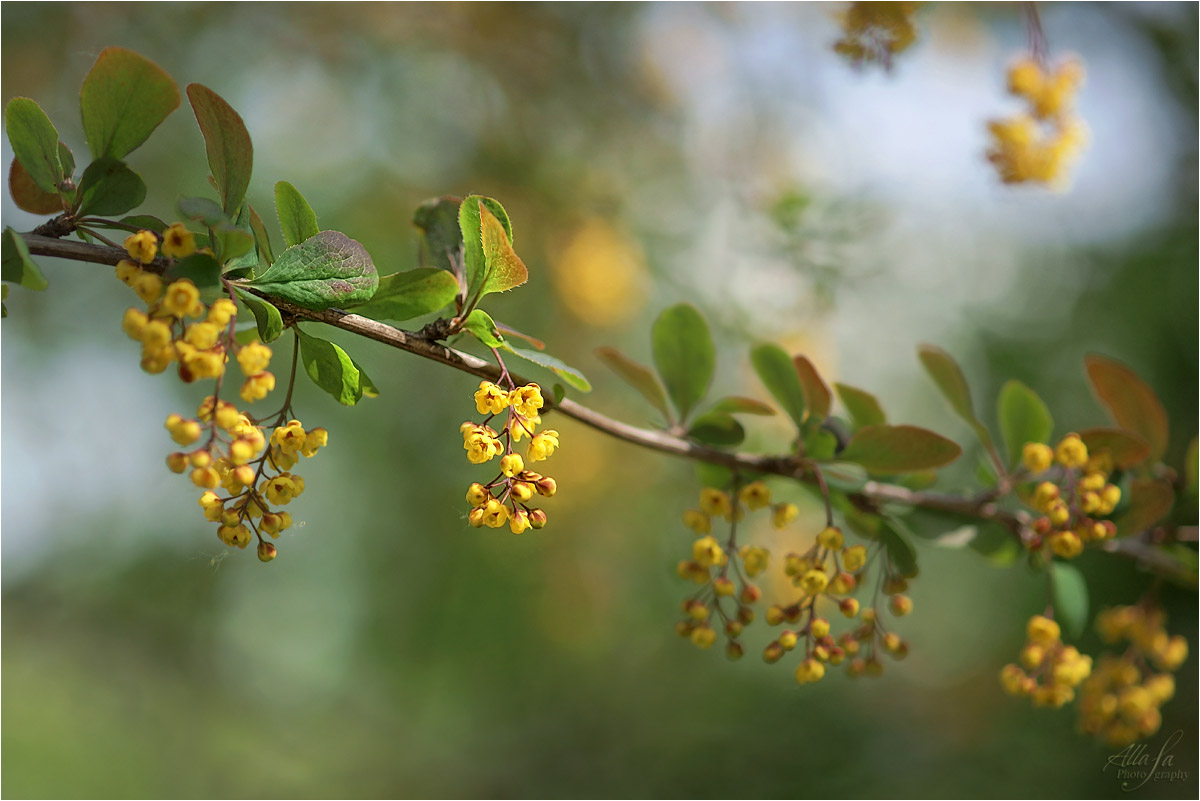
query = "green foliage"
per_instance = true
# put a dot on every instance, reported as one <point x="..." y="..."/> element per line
<point x="863" y="407"/>
<point x="844" y="476"/>
<point x="124" y="98"/>
<point x="736" y="404"/>
<point x="897" y="541"/>
<point x="471" y="226"/>
<point x="200" y="268"/>
<point x="17" y="267"/>
<point x="638" y="376"/>
<point x="109" y="187"/>
<point x="332" y="369"/>
<point x="716" y="428"/>
<point x="268" y="318"/>
<point x="503" y="268"/>
<point x="684" y="356"/>
<point x="1023" y="418"/>
<point x="34" y="141"/>
<point x="480" y="324"/>
<point x="440" y="238"/>
<point x="1130" y="401"/>
<point x="261" y="238"/>
<point x="899" y="449"/>
<point x="953" y="384"/>
<point x="1070" y="598"/>
<point x="230" y="154"/>
<point x="202" y="210"/>
<point x="296" y="217"/>
<point x="778" y="374"/>
<point x="564" y="371"/>
<point x="326" y="270"/>
<point x="403" y="296"/>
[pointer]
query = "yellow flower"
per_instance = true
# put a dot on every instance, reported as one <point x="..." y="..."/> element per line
<point x="221" y="312"/>
<point x="315" y="439"/>
<point x="257" y="387"/>
<point x="543" y="445"/>
<point x="855" y="558"/>
<point x="519" y="426"/>
<point x="178" y="241"/>
<point x="518" y="521"/>
<point x="134" y="324"/>
<point x="490" y="399"/>
<point x="716" y="503"/>
<point x="203" y="335"/>
<point x="254" y="358"/>
<point x="784" y="513"/>
<point x="697" y="521"/>
<point x="1071" y="452"/>
<point x="1036" y="457"/>
<point x="526" y="400"/>
<point x="754" y="559"/>
<point x="148" y="287"/>
<point x="810" y="670"/>
<point x="142" y="246"/>
<point x="181" y="296"/>
<point x="495" y="514"/>
<point x="814" y="582"/>
<point x="831" y="538"/>
<point x="512" y="464"/>
<point x="755" y="495"/>
<point x="1043" y="631"/>
<point x="127" y="271"/>
<point x="289" y="438"/>
<point x="279" y="490"/>
<point x="708" y="552"/>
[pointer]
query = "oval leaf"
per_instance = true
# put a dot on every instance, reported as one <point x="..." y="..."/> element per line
<point x="15" y="265"/>
<point x="470" y="225"/>
<point x="1126" y="449"/>
<point x="899" y="449"/>
<point x="736" y="404"/>
<point x="403" y="296"/>
<point x="844" y="476"/>
<point x="950" y="380"/>
<point x="326" y="270"/>
<point x="1070" y="598"/>
<point x="202" y="210"/>
<point x="108" y="186"/>
<point x="638" y="376"/>
<point x="296" y="217"/>
<point x="564" y="371"/>
<point x="199" y="268"/>
<point x="717" y="428"/>
<point x="817" y="397"/>
<point x="440" y="239"/>
<point x="124" y="98"/>
<point x="779" y="376"/>
<point x="483" y="327"/>
<point x="268" y="318"/>
<point x="34" y="142"/>
<point x="504" y="268"/>
<point x="897" y="540"/>
<point x="28" y="195"/>
<point x="1150" y="500"/>
<point x="1130" y="401"/>
<point x="863" y="407"/>
<point x="1023" y="418"/>
<point x="332" y="369"/>
<point x="230" y="154"/>
<point x="684" y="355"/>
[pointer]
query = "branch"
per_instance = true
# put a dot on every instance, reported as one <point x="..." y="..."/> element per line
<point x="871" y="496"/>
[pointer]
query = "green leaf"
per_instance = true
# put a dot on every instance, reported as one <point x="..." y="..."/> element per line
<point x="403" y="296"/>
<point x="1130" y="401"/>
<point x="820" y="443"/>
<point x="232" y="242"/>
<point x="736" y="404"/>
<point x="684" y="355"/>
<point x="124" y="98"/>
<point x="1070" y="598"/>
<point x="202" y="210"/>
<point x="844" y="476"/>
<point x="230" y="154"/>
<point x="480" y="324"/>
<point x="950" y="380"/>
<point x="244" y="264"/>
<point x="28" y="195"/>
<point x="1023" y="418"/>
<point x="897" y="540"/>
<point x="638" y="376"/>
<point x="296" y="217"/>
<point x="778" y="374"/>
<point x="261" y="238"/>
<point x="34" y="142"/>
<point x="109" y="187"/>
<point x="714" y="475"/>
<point x="440" y="239"/>
<point x="863" y="407"/>
<point x="268" y="318"/>
<point x="817" y="397"/>
<point x="332" y="369"/>
<point x="504" y="268"/>
<point x="145" y="221"/>
<point x="15" y="265"/>
<point x="471" y="226"/>
<point x="200" y="268"/>
<point x="561" y="369"/>
<point x="716" y="428"/>
<point x="558" y="391"/>
<point x="1126" y="449"/>
<point x="899" y="449"/>
<point x="1150" y="500"/>
<point x="326" y="270"/>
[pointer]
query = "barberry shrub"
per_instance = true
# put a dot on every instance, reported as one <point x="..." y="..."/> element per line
<point x="211" y="285"/>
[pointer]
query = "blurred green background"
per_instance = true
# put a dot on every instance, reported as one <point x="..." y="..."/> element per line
<point x="718" y="154"/>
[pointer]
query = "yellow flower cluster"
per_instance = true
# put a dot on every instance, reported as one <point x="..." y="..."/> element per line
<point x="1121" y="701"/>
<point x="874" y="31"/>
<point x="505" y="498"/>
<point x="1039" y="146"/>
<point x="1072" y="497"/>
<point x="239" y="457"/>
<point x="1048" y="671"/>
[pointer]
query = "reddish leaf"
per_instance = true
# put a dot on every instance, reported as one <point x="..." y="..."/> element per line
<point x="28" y="195"/>
<point x="1149" y="501"/>
<point x="1130" y="401"/>
<point x="817" y="397"/>
<point x="1126" y="449"/>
